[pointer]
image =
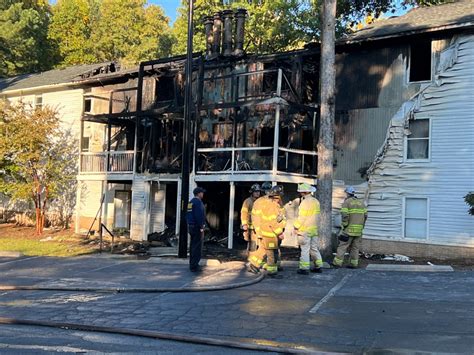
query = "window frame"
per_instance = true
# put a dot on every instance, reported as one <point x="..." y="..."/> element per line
<point x="406" y="139"/>
<point x="38" y="101"/>
<point x="404" y="217"/>
<point x="408" y="81"/>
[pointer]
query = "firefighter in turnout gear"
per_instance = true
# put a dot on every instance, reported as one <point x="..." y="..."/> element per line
<point x="254" y="261"/>
<point x="269" y="221"/>
<point x="306" y="230"/>
<point x="354" y="215"/>
<point x="246" y="218"/>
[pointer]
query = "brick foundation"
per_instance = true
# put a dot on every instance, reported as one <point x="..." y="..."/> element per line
<point x="440" y="252"/>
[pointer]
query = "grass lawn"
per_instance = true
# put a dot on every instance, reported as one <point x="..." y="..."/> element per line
<point x="51" y="243"/>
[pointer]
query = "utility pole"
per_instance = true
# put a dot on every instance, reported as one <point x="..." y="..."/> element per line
<point x="326" y="134"/>
<point x="185" y="166"/>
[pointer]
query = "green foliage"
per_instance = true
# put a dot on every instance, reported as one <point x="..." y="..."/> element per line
<point x="24" y="46"/>
<point x="469" y="199"/>
<point x="37" y="159"/>
<point x="282" y="24"/>
<point x="271" y="25"/>
<point x="99" y="30"/>
<point x="71" y="27"/>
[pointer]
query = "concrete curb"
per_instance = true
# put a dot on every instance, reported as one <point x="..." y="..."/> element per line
<point x="410" y="268"/>
<point x="11" y="254"/>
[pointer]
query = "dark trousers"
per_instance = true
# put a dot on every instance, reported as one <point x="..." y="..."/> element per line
<point x="196" y="246"/>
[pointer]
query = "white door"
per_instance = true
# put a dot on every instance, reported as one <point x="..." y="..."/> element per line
<point x="122" y="206"/>
<point x="158" y="203"/>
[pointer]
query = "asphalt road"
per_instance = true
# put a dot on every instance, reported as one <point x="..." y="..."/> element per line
<point x="340" y="310"/>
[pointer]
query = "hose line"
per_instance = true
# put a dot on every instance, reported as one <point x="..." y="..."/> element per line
<point x="255" y="344"/>
<point x="260" y="277"/>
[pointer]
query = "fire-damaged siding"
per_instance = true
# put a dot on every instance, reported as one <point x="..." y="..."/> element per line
<point x="354" y="153"/>
<point x="448" y="175"/>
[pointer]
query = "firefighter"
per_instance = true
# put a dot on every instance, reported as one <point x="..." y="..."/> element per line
<point x="270" y="227"/>
<point x="306" y="230"/>
<point x="253" y="259"/>
<point x="246" y="218"/>
<point x="354" y="215"/>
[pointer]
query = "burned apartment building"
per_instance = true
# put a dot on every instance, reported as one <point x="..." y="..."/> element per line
<point x="254" y="120"/>
<point x="403" y="131"/>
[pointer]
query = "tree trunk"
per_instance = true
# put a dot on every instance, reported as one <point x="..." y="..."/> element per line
<point x="326" y="136"/>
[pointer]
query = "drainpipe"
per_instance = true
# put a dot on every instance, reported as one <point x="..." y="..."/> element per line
<point x="227" y="16"/>
<point x="240" y="16"/>
<point x="208" y="24"/>
<point x="216" y="34"/>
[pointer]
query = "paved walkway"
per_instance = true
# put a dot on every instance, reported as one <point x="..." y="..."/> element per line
<point x="339" y="310"/>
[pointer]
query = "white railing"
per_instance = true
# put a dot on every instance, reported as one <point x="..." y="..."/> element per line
<point x="113" y="162"/>
<point x="242" y="161"/>
<point x="303" y="163"/>
<point x="233" y="160"/>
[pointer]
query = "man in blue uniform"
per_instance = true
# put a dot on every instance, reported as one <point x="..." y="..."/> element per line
<point x="196" y="218"/>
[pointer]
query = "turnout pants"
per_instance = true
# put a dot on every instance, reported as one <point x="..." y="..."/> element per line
<point x="196" y="246"/>
<point x="309" y="252"/>
<point x="266" y="255"/>
<point x="353" y="245"/>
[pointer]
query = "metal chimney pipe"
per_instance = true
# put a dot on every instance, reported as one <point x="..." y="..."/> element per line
<point x="240" y="16"/>
<point x="208" y="23"/>
<point x="216" y="31"/>
<point x="227" y="16"/>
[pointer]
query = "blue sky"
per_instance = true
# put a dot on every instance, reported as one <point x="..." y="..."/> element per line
<point x="169" y="6"/>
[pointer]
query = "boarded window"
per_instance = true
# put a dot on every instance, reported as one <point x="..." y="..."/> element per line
<point x="416" y="218"/>
<point x="420" y="61"/>
<point x="418" y="141"/>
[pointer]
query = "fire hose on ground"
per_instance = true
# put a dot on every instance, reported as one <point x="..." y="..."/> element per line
<point x="255" y="344"/>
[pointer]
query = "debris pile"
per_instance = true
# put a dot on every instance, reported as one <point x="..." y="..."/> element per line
<point x="388" y="257"/>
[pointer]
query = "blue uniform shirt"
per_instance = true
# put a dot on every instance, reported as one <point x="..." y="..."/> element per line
<point x="196" y="213"/>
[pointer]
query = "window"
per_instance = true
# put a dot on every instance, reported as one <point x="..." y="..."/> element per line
<point x="87" y="105"/>
<point x="420" y="61"/>
<point x="416" y="218"/>
<point x="38" y="101"/>
<point x="418" y="140"/>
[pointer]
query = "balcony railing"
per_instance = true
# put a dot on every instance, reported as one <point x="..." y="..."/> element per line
<point x="110" y="162"/>
<point x="254" y="160"/>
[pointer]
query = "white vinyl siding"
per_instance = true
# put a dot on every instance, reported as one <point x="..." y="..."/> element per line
<point x="447" y="177"/>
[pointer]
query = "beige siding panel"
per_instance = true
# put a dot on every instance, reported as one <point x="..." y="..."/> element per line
<point x="90" y="195"/>
<point x="69" y="105"/>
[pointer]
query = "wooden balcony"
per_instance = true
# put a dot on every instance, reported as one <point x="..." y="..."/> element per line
<point x="107" y="162"/>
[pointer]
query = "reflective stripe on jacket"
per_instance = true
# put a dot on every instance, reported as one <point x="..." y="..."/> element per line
<point x="246" y="212"/>
<point x="354" y="214"/>
<point x="256" y="213"/>
<point x="272" y="219"/>
<point x="307" y="220"/>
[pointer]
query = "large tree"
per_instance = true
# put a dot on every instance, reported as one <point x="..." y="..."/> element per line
<point x="88" y="31"/>
<point x="37" y="160"/>
<point x="24" y="46"/>
<point x="71" y="27"/>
